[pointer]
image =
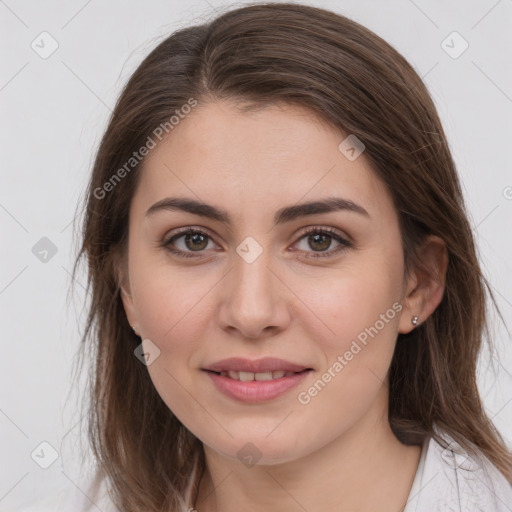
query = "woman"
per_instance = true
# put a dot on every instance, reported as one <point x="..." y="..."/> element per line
<point x="287" y="306"/>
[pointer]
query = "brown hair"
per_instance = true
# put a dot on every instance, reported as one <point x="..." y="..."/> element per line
<point x="262" y="54"/>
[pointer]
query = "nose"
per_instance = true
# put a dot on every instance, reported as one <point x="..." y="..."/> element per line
<point x="254" y="300"/>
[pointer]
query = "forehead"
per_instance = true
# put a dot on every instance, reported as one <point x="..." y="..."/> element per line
<point x="249" y="161"/>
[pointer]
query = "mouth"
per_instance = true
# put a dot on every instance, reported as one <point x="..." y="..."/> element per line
<point x="264" y="365"/>
<point x="259" y="376"/>
<point x="253" y="381"/>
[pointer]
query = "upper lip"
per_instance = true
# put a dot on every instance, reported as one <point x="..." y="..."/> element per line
<point x="266" y="364"/>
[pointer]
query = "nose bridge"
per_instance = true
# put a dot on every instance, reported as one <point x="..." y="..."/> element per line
<point x="251" y="300"/>
<point x="251" y="277"/>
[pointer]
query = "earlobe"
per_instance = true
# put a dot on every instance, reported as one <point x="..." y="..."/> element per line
<point x="426" y="285"/>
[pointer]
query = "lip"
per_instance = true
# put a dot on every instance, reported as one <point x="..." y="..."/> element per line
<point x="255" y="391"/>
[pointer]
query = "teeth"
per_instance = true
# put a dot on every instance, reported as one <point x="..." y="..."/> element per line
<point x="246" y="376"/>
<point x="260" y="376"/>
<point x="263" y="376"/>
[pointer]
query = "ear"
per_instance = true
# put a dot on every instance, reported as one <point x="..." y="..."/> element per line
<point x="425" y="285"/>
<point x="123" y="279"/>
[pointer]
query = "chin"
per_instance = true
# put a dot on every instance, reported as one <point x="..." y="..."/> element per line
<point x="263" y="449"/>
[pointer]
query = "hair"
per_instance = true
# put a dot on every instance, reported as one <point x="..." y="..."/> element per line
<point x="259" y="55"/>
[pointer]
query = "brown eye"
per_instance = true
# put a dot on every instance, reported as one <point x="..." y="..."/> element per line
<point x="193" y="241"/>
<point x="320" y="240"/>
<point x="189" y="241"/>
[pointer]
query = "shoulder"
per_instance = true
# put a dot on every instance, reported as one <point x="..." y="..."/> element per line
<point x="451" y="480"/>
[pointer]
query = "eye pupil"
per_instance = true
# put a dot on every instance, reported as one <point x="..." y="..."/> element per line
<point x="325" y="246"/>
<point x="195" y="237"/>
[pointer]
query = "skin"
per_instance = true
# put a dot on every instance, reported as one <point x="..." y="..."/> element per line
<point x="336" y="452"/>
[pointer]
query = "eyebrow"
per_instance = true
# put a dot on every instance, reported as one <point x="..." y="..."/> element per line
<point x="283" y="215"/>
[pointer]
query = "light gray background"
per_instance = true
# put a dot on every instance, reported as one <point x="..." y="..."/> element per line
<point x="54" y="111"/>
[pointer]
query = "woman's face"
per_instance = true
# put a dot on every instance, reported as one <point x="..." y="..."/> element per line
<point x="328" y="305"/>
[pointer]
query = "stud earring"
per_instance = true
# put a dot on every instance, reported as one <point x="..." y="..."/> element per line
<point x="414" y="320"/>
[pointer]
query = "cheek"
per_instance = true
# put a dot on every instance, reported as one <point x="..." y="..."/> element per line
<point x="171" y="308"/>
<point x="361" y="308"/>
<point x="353" y="301"/>
<point x="357" y="355"/>
<point x="364" y="315"/>
<point x="170" y="303"/>
<point x="171" y="318"/>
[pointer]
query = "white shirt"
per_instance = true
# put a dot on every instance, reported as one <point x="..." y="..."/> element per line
<point x="447" y="480"/>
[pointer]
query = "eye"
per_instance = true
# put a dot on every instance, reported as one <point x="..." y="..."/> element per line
<point x="196" y="241"/>
<point x="320" y="239"/>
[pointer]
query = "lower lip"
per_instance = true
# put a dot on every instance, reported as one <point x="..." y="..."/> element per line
<point x="257" y="390"/>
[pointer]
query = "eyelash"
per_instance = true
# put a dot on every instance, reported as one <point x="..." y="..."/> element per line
<point x="316" y="230"/>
